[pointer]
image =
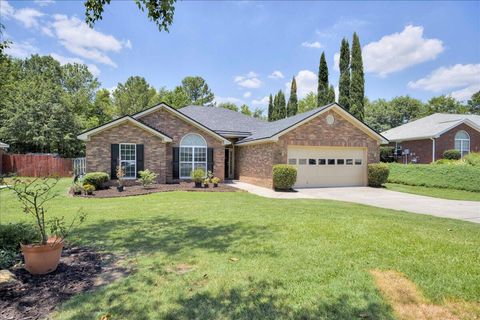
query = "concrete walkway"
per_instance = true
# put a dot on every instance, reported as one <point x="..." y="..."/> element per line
<point x="455" y="209"/>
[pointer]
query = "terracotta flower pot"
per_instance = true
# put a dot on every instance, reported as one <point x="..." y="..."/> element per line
<point x="42" y="259"/>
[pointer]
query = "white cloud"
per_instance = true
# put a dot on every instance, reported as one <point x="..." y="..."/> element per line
<point x="6" y="10"/>
<point x="65" y="60"/>
<point x="465" y="94"/>
<point x="28" y="17"/>
<point x="21" y="49"/>
<point x="306" y="82"/>
<point x="336" y="61"/>
<point x="47" y="31"/>
<point x="260" y="102"/>
<point x="399" y="51"/>
<point x="228" y="99"/>
<point x="341" y="27"/>
<point x="247" y="94"/>
<point x="276" y="75"/>
<point x="316" y="44"/>
<point x="337" y="93"/>
<point x="44" y="3"/>
<point x="459" y="75"/>
<point x="85" y="42"/>
<point x="250" y="80"/>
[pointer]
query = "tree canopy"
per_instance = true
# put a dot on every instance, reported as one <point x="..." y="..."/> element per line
<point x="198" y="91"/>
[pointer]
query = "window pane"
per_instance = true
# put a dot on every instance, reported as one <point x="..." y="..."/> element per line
<point x="302" y="161"/>
<point x="312" y="161"/>
<point x="462" y="135"/>
<point x="292" y="161"/>
<point x="201" y="166"/>
<point x="358" y="162"/>
<point x="340" y="161"/>
<point x="193" y="140"/>
<point x="322" y="161"/>
<point x="129" y="169"/>
<point x="349" y="161"/>
<point x="201" y="154"/>
<point x="331" y="161"/>
<point x="127" y="152"/>
<point x="185" y="154"/>
<point x="458" y="144"/>
<point x="185" y="170"/>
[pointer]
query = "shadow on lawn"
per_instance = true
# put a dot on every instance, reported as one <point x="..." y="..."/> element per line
<point x="254" y="300"/>
<point x="171" y="236"/>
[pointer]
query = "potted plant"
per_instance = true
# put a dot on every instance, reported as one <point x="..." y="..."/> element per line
<point x="206" y="183"/>
<point x="215" y="181"/>
<point x="88" y="188"/>
<point x="43" y="256"/>
<point x="120" y="176"/>
<point x="76" y="189"/>
<point x="198" y="175"/>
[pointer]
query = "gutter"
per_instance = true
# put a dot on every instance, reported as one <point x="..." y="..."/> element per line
<point x="433" y="149"/>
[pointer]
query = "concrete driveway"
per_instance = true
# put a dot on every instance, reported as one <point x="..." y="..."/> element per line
<point x="455" y="209"/>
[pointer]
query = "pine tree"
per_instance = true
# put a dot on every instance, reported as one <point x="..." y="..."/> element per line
<point x="270" y="108"/>
<point x="281" y="106"/>
<point x="331" y="94"/>
<point x="322" y="92"/>
<point x="292" y="107"/>
<point x="357" y="85"/>
<point x="344" y="79"/>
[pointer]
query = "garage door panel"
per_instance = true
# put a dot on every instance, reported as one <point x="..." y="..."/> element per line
<point x="328" y="166"/>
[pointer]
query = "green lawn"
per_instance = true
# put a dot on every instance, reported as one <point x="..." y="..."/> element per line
<point x="297" y="258"/>
<point x="452" y="194"/>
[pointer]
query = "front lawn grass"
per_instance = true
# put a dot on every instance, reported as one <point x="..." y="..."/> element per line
<point x="293" y="259"/>
<point x="448" y="176"/>
<point x="451" y="194"/>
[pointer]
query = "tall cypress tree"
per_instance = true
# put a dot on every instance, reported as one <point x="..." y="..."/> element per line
<point x="322" y="91"/>
<point x="292" y="107"/>
<point x="270" y="108"/>
<point x="281" y="106"/>
<point x="344" y="79"/>
<point x="357" y="85"/>
<point x="331" y="94"/>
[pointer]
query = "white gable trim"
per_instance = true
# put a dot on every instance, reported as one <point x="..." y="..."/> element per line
<point x="183" y="117"/>
<point x="86" y="135"/>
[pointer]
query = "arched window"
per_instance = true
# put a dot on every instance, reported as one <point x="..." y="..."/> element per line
<point x="462" y="142"/>
<point x="193" y="154"/>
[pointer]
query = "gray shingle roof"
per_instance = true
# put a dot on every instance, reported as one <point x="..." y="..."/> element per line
<point x="429" y="127"/>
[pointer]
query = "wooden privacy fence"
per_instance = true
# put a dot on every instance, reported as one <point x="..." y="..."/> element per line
<point x="36" y="165"/>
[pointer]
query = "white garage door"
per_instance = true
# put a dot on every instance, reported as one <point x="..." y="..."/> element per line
<point x="328" y="166"/>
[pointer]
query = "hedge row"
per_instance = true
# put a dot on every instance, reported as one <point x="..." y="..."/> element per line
<point x="461" y="177"/>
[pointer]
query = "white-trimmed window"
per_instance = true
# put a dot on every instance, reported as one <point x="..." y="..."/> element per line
<point x="462" y="142"/>
<point x="128" y="160"/>
<point x="193" y="154"/>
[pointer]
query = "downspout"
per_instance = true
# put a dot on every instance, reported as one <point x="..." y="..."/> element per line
<point x="433" y="149"/>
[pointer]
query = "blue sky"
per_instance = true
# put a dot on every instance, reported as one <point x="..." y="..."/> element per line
<point x="246" y="50"/>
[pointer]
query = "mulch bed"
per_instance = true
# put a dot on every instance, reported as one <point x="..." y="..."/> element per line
<point x="34" y="297"/>
<point x="136" y="190"/>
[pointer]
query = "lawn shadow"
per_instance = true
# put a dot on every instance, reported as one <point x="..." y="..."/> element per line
<point x="170" y="235"/>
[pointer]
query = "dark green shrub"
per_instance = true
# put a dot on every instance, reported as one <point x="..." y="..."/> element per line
<point x="97" y="179"/>
<point x="452" y="154"/>
<point x="7" y="258"/>
<point x="377" y="174"/>
<point x="387" y="154"/>
<point x="284" y="176"/>
<point x="12" y="234"/>
<point x="473" y="159"/>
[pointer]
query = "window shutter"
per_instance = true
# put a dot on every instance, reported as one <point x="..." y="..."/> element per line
<point x="210" y="161"/>
<point x="114" y="160"/>
<point x="140" y="158"/>
<point x="175" y="163"/>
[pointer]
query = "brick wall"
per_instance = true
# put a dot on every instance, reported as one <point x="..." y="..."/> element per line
<point x="176" y="128"/>
<point x="98" y="149"/>
<point x="254" y="162"/>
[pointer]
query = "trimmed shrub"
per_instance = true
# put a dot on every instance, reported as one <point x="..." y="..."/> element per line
<point x="97" y="179"/>
<point x="12" y="234"/>
<point x="452" y="154"/>
<point x="284" y="176"/>
<point x="387" y="154"/>
<point x="473" y="159"/>
<point x="147" y="178"/>
<point x="377" y="174"/>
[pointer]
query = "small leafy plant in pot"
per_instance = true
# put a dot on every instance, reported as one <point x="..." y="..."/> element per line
<point x="120" y="177"/>
<point x="88" y="188"/>
<point x="198" y="175"/>
<point x="43" y="256"/>
<point x="206" y="183"/>
<point x="76" y="189"/>
<point x="215" y="181"/>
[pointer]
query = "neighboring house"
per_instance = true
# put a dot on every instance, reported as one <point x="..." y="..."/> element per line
<point x="424" y="140"/>
<point x="3" y="149"/>
<point x="328" y="146"/>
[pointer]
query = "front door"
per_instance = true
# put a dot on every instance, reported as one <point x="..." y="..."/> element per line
<point x="229" y="163"/>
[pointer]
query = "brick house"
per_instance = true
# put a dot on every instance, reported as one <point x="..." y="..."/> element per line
<point x="424" y="140"/>
<point x="327" y="145"/>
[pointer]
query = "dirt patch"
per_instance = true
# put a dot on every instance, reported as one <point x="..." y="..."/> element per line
<point x="136" y="190"/>
<point x="34" y="297"/>
<point x="409" y="303"/>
